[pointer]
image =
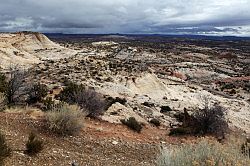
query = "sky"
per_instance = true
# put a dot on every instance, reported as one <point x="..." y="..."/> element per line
<point x="202" y="17"/>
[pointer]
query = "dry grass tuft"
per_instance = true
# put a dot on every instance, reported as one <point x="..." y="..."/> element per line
<point x="5" y="151"/>
<point x="204" y="153"/>
<point x="34" y="145"/>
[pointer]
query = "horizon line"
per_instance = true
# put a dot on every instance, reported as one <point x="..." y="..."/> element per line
<point x="166" y="34"/>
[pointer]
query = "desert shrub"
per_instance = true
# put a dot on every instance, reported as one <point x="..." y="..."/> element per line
<point x="228" y="86"/>
<point x="133" y="124"/>
<point x="204" y="153"/>
<point x="155" y="122"/>
<point x="64" y="120"/>
<point x="211" y="121"/>
<point x="34" y="145"/>
<point x="247" y="87"/>
<point x="68" y="93"/>
<point x="89" y="100"/>
<point x="232" y="92"/>
<point x="2" y="101"/>
<point x="18" y="90"/>
<point x="37" y="93"/>
<point x="148" y="104"/>
<point x="180" y="131"/>
<point x="165" y="109"/>
<point x="48" y="103"/>
<point x="205" y="121"/>
<point x="245" y="148"/>
<point x="17" y="87"/>
<point x="3" y="83"/>
<point x="4" y="149"/>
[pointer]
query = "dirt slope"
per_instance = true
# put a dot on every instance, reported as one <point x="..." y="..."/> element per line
<point x="99" y="143"/>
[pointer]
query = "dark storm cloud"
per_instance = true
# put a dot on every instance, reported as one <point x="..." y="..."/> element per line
<point x="196" y="30"/>
<point x="127" y="16"/>
<point x="69" y="24"/>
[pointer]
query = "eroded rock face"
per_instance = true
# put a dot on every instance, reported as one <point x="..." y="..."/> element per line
<point x="27" y="48"/>
<point x="118" y="111"/>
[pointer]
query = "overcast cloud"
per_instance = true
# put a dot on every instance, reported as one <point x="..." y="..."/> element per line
<point x="215" y="17"/>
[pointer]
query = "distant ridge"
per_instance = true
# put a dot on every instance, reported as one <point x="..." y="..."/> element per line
<point x="201" y="37"/>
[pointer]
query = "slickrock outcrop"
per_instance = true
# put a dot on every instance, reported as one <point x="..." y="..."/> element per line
<point x="27" y="48"/>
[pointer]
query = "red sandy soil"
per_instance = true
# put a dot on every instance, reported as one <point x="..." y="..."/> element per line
<point x="99" y="143"/>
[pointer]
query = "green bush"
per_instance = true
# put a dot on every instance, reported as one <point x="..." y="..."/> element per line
<point x="4" y="149"/>
<point x="204" y="153"/>
<point x="133" y="124"/>
<point x="65" y="120"/>
<point x="37" y="93"/>
<point x="68" y="93"/>
<point x="48" y="104"/>
<point x="34" y="145"/>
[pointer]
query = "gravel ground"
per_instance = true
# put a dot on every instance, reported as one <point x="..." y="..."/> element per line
<point x="99" y="143"/>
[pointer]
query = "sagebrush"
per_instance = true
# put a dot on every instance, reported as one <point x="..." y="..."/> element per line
<point x="89" y="100"/>
<point x="204" y="153"/>
<point x="65" y="120"/>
